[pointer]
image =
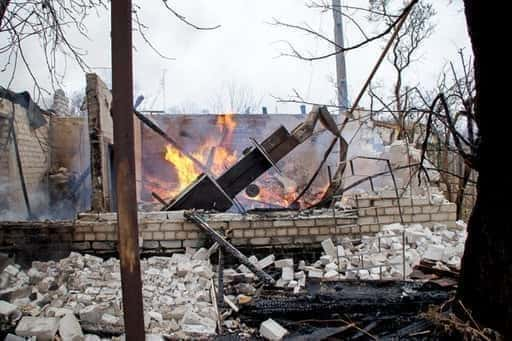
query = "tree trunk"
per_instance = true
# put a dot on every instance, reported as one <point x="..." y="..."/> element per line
<point x="486" y="275"/>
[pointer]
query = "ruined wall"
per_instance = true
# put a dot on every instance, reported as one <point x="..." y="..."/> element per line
<point x="101" y="137"/>
<point x="34" y="155"/>
<point x="170" y="232"/>
<point x="4" y="157"/>
<point x="99" y="100"/>
<point x="70" y="149"/>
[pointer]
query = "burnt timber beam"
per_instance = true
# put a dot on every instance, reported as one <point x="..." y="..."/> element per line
<point x="203" y="193"/>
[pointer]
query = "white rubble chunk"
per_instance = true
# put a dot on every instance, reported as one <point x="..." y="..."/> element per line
<point x="197" y="329"/>
<point x="287" y="274"/>
<point x="43" y="328"/>
<point x="299" y="274"/>
<point x="333" y="274"/>
<point x="12" y="337"/>
<point x="331" y="267"/>
<point x="203" y="271"/>
<point x="329" y="248"/>
<point x="434" y="252"/>
<point x="287" y="262"/>
<point x="413" y="236"/>
<point x="271" y="330"/>
<point x="110" y="319"/>
<point x="281" y="283"/>
<point x="364" y="274"/>
<point x="92" y="337"/>
<point x="244" y="269"/>
<point x="326" y="259"/>
<point x="461" y="225"/>
<point x="253" y="259"/>
<point x="315" y="273"/>
<point x="154" y="315"/>
<point x="292" y="284"/>
<point x="91" y="313"/>
<point x="183" y="268"/>
<point x="302" y="265"/>
<point x="200" y="254"/>
<point x="202" y="325"/>
<point x="231" y="304"/>
<point x="69" y="329"/>
<point x="8" y="311"/>
<point x="267" y="261"/>
<point x="341" y="251"/>
<point x="11" y="270"/>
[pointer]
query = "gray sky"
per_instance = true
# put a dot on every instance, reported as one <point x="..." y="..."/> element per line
<point x="245" y="51"/>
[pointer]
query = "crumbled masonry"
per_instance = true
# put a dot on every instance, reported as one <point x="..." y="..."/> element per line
<point x="51" y="295"/>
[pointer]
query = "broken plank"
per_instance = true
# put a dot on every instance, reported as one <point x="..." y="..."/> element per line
<point x="196" y="219"/>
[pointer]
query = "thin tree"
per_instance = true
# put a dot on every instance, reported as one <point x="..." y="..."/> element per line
<point x="53" y="24"/>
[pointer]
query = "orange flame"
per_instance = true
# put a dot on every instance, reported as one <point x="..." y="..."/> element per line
<point x="216" y="154"/>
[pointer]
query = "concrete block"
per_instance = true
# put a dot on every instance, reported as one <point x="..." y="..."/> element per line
<point x="287" y="274"/>
<point x="329" y="248"/>
<point x="282" y="263"/>
<point x="315" y="273"/>
<point x="43" y="328"/>
<point x="326" y="259"/>
<point x="271" y="330"/>
<point x="9" y="311"/>
<point x="69" y="328"/>
<point x="434" y="252"/>
<point x="263" y="263"/>
<point x="330" y="275"/>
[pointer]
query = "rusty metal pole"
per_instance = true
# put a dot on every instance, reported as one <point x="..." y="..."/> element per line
<point x="124" y="158"/>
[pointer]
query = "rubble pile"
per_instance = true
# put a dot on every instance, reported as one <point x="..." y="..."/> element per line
<point x="50" y="295"/>
<point x="369" y="258"/>
<point x="382" y="256"/>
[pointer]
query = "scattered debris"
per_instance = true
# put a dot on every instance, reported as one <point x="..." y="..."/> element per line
<point x="271" y="330"/>
<point x="176" y="293"/>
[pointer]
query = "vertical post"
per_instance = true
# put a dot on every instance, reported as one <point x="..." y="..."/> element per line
<point x="124" y="157"/>
<point x="341" y="72"/>
<point x="20" y="168"/>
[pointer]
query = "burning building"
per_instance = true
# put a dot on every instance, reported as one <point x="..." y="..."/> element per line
<point x="256" y="181"/>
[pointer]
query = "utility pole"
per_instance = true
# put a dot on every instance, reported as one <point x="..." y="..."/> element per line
<point x="341" y="72"/>
<point x="124" y="158"/>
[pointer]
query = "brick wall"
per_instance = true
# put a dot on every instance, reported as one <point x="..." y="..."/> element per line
<point x="164" y="231"/>
<point x="101" y="137"/>
<point x="33" y="149"/>
<point x="99" y="100"/>
<point x="169" y="231"/>
<point x="375" y="211"/>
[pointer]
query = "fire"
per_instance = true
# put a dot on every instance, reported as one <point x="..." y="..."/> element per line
<point x="214" y="153"/>
<point x="186" y="170"/>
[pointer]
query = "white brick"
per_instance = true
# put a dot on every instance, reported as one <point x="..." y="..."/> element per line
<point x="271" y="330"/>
